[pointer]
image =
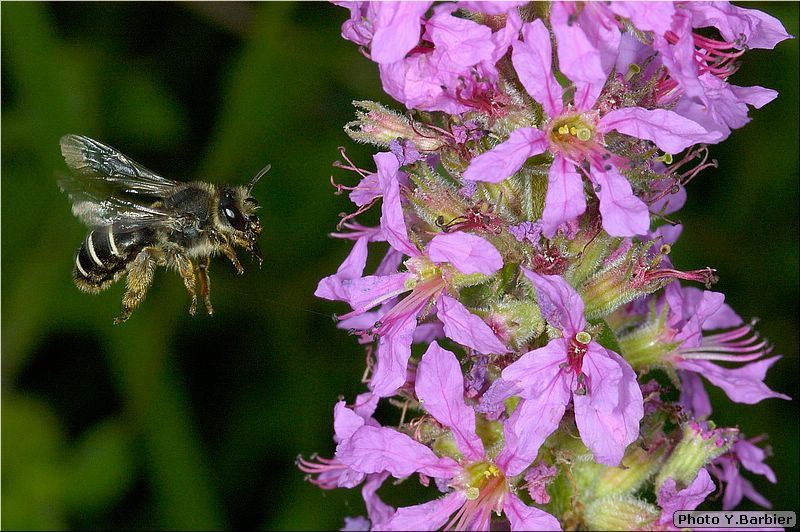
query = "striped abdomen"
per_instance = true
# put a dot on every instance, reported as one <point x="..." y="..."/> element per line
<point x="104" y="254"/>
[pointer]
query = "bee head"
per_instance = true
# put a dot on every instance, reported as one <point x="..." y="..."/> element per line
<point x="237" y="210"/>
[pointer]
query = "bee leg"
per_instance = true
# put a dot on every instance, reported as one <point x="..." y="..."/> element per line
<point x="186" y="269"/>
<point x="140" y="276"/>
<point x="229" y="252"/>
<point x="205" y="283"/>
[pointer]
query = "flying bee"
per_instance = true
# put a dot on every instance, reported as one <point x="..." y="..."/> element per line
<point x="140" y="220"/>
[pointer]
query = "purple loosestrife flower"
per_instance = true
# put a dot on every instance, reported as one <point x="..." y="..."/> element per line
<point x="453" y="68"/>
<point x="727" y="468"/>
<point x="671" y="499"/>
<point x="699" y="66"/>
<point x="425" y="282"/>
<point x="680" y="342"/>
<point x="390" y="29"/>
<point x="575" y="135"/>
<point x="331" y="473"/>
<point x="607" y="399"/>
<point x="477" y="485"/>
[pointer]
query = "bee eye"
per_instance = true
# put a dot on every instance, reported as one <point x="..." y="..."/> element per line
<point x="235" y="218"/>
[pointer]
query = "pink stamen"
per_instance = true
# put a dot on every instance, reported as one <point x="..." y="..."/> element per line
<point x="347" y="217"/>
<point x="707" y="276"/>
<point x="419" y="297"/>
<point x="327" y="469"/>
<point x="730" y="346"/>
<point x="374" y="303"/>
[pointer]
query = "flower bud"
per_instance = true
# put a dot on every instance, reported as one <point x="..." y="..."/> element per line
<point x="375" y="124"/>
<point x="701" y="443"/>
<point x="515" y="322"/>
<point x="636" y="468"/>
<point x="619" y="513"/>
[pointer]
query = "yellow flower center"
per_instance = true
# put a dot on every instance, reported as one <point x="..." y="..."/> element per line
<point x="571" y="128"/>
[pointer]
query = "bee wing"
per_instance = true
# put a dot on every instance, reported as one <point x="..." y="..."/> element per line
<point x="95" y="161"/>
<point x="96" y="206"/>
<point x="106" y="187"/>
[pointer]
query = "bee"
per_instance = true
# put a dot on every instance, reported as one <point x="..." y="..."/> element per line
<point x="140" y="220"/>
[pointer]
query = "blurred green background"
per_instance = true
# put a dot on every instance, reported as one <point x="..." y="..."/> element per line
<point x="170" y="421"/>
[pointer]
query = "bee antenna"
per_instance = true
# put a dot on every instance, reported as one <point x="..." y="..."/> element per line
<point x="258" y="176"/>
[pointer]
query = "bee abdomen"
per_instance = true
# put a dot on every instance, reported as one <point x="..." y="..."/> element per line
<point x="104" y="254"/>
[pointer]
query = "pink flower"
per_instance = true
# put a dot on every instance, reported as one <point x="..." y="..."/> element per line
<point x="699" y="66"/>
<point x="425" y="282"/>
<point x="477" y="485"/>
<point x="606" y="396"/>
<point x="743" y="27"/>
<point x="453" y="69"/>
<point x="331" y="473"/>
<point x="574" y="134"/>
<point x="690" y="313"/>
<point x="671" y="499"/>
<point x="390" y="29"/>
<point x="727" y="470"/>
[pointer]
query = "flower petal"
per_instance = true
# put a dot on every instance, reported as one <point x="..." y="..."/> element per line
<point x="527" y="428"/>
<point x="533" y="61"/>
<point x="522" y="517"/>
<point x="390" y="262"/>
<point x="695" y="307"/>
<point x="752" y="458"/>
<point x="491" y="8"/>
<point x="744" y="384"/>
<point x="397" y="29"/>
<point x="392" y="221"/>
<point x="671" y="500"/>
<point x="561" y="305"/>
<point x="756" y="96"/>
<point x="358" y="523"/>
<point x="493" y="401"/>
<point x="503" y="161"/>
<point x="737" y="24"/>
<point x="623" y="213"/>
<point x="377" y="510"/>
<point x="345" y="421"/>
<point x="502" y="38"/>
<point x="578" y="58"/>
<point x="428" y="516"/>
<point x="367" y="292"/>
<point x="565" y="198"/>
<point x="440" y="389"/>
<point x="666" y="129"/>
<point x="694" y="398"/>
<point x="379" y="449"/>
<point x="466" y="328"/>
<point x="367" y="190"/>
<point x="651" y="16"/>
<point x="607" y="432"/>
<point x="604" y="378"/>
<point x="534" y="373"/>
<point x="352" y="268"/>
<point x="467" y="252"/>
<point x="750" y="492"/>
<point x="366" y="404"/>
<point x="460" y="42"/>
<point x="394" y="350"/>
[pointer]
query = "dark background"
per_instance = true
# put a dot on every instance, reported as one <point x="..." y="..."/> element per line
<point x="172" y="421"/>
